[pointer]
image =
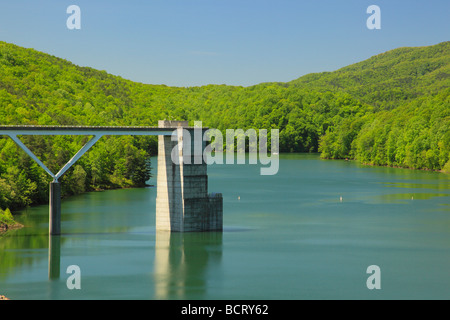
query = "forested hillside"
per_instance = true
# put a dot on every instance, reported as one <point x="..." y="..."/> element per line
<point x="390" y="78"/>
<point x="392" y="109"/>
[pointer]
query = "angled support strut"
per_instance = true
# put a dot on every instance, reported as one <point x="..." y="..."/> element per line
<point x="79" y="154"/>
<point x="31" y="154"/>
<point x="55" y="186"/>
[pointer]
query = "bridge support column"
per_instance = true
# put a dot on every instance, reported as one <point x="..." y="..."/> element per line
<point x="55" y="208"/>
<point x="183" y="203"/>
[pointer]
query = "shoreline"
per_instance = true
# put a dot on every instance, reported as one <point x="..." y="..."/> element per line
<point x="398" y="167"/>
<point x="4" y="228"/>
<point x="7" y="221"/>
<point x="387" y="166"/>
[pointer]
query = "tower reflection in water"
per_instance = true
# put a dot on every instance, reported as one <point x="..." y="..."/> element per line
<point x="184" y="262"/>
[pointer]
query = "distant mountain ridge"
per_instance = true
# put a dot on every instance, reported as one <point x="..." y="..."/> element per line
<point x="405" y="73"/>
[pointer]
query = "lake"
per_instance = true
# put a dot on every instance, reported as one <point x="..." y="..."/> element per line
<point x="308" y="232"/>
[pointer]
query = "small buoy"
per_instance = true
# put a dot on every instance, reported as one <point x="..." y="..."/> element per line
<point x="239" y="198"/>
<point x="340" y="199"/>
<point x="412" y="198"/>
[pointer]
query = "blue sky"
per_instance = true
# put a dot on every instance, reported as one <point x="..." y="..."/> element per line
<point x="200" y="42"/>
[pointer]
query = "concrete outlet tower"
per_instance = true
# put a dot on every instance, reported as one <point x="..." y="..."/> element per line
<point x="183" y="203"/>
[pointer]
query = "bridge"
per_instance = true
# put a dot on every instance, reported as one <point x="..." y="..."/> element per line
<point x="182" y="203"/>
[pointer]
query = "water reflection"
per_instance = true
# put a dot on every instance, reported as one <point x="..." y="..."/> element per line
<point x="391" y="217"/>
<point x="398" y="197"/>
<point x="441" y="185"/>
<point x="54" y="257"/>
<point x="182" y="263"/>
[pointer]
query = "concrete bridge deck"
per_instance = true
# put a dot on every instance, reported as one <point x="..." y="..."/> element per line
<point x="87" y="130"/>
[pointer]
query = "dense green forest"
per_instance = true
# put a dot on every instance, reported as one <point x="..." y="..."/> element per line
<point x="392" y="109"/>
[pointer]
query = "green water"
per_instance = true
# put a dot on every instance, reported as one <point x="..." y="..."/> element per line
<point x="287" y="236"/>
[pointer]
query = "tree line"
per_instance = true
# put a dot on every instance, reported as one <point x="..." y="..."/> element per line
<point x="392" y="109"/>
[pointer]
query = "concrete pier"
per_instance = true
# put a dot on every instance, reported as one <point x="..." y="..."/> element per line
<point x="55" y="208"/>
<point x="183" y="203"/>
